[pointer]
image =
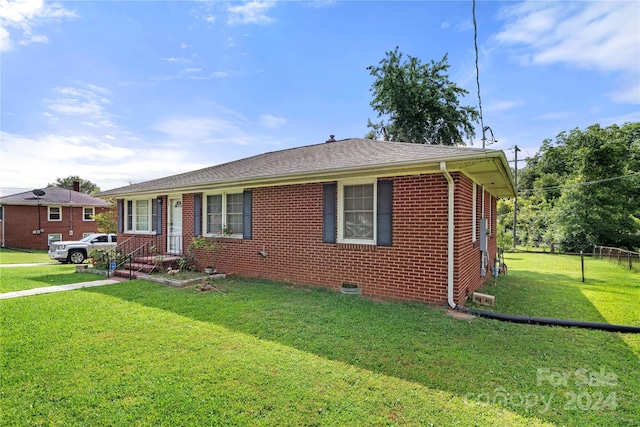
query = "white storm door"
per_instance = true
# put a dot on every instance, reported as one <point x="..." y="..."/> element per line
<point x="174" y="236"/>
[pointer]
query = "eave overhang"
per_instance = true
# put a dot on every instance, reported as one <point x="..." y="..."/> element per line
<point x="489" y="169"/>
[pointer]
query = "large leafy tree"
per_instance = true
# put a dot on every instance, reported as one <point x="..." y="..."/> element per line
<point x="583" y="189"/>
<point x="418" y="103"/>
<point x="85" y="185"/>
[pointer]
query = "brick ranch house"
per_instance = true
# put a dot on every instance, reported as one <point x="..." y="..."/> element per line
<point x="400" y="221"/>
<point x="29" y="221"/>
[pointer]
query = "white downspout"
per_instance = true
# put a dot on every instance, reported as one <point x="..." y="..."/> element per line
<point x="450" y="223"/>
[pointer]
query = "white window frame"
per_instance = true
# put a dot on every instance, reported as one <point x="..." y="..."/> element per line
<point x="205" y="213"/>
<point x="59" y="213"/>
<point x="84" y="213"/>
<point x="347" y="183"/>
<point x="133" y="228"/>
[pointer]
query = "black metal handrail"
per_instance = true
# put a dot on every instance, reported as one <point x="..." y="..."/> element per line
<point x="140" y="247"/>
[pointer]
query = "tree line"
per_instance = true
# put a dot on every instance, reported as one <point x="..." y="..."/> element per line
<point x="579" y="190"/>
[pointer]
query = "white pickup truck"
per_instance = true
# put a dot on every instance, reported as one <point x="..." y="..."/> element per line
<point x="76" y="252"/>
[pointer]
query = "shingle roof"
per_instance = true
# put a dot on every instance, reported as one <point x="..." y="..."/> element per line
<point x="54" y="196"/>
<point x="319" y="159"/>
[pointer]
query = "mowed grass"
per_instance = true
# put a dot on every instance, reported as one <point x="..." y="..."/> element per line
<point x="12" y="256"/>
<point x="264" y="353"/>
<point x="550" y="285"/>
<point x="23" y="278"/>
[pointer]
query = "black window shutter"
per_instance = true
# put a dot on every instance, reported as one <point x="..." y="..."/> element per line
<point x="157" y="202"/>
<point x="246" y="214"/>
<point x="120" y="216"/>
<point x="329" y="213"/>
<point x="197" y="214"/>
<point x="385" y="203"/>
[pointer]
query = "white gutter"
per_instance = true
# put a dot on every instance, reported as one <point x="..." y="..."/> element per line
<point x="450" y="223"/>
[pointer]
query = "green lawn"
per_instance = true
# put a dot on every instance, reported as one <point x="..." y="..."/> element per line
<point x="11" y="256"/>
<point x="547" y="285"/>
<point x="22" y="278"/>
<point x="263" y="353"/>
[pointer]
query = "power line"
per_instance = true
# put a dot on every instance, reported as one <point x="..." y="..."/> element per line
<point x="579" y="184"/>
<point x="475" y="45"/>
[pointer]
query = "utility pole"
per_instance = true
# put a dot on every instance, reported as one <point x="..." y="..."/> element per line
<point x="515" y="199"/>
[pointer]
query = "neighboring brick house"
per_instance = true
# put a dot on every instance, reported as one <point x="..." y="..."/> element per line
<point x="400" y="221"/>
<point x="30" y="221"/>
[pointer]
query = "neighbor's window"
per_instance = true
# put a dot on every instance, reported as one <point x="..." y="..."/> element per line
<point x="55" y="237"/>
<point x="357" y="213"/>
<point x="88" y="213"/>
<point x="1" y="213"/>
<point x="224" y="210"/>
<point x="55" y="213"/>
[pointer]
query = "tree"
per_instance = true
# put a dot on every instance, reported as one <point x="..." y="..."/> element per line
<point x="87" y="187"/>
<point x="108" y="220"/>
<point x="419" y="101"/>
<point x="583" y="189"/>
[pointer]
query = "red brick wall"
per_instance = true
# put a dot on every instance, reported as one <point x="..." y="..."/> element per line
<point x="287" y="223"/>
<point x="21" y="221"/>
<point x="468" y="255"/>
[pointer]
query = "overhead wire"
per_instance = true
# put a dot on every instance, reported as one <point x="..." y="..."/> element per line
<point x="475" y="45"/>
<point x="577" y="184"/>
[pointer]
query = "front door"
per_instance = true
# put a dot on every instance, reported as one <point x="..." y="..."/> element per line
<point x="174" y="236"/>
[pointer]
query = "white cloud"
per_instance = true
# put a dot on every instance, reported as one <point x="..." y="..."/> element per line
<point x="196" y="128"/>
<point x="464" y="26"/>
<point x="252" y="12"/>
<point x="173" y="59"/>
<point x="629" y="93"/>
<point x="317" y="4"/>
<point x="270" y="121"/>
<point x="5" y="40"/>
<point x="213" y="75"/>
<point x="221" y="126"/>
<point x="601" y="36"/>
<point x="27" y="160"/>
<point x="84" y="100"/>
<point x="556" y="115"/>
<point x="22" y="16"/>
<point x="34" y="39"/>
<point x="501" y="105"/>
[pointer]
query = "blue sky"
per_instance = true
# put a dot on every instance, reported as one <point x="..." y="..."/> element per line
<point x="127" y="91"/>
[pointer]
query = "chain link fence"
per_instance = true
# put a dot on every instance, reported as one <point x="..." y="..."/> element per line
<point x="603" y="264"/>
<point x="622" y="257"/>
